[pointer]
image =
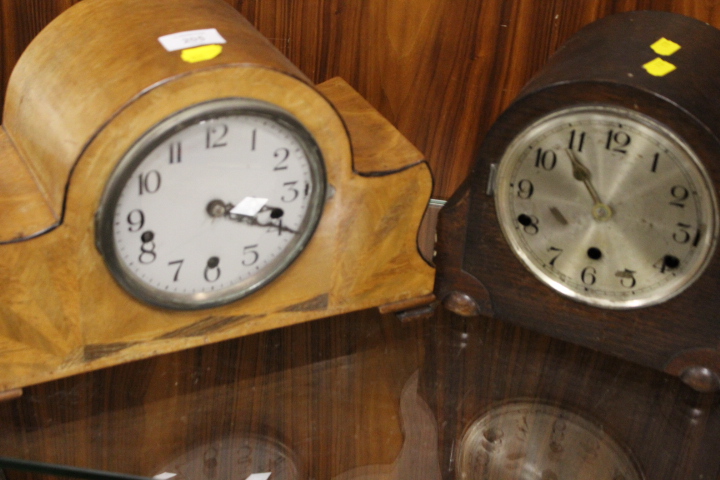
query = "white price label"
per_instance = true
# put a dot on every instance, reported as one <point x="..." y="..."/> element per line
<point x="249" y="206"/>
<point x="259" y="476"/>
<point x="191" y="39"/>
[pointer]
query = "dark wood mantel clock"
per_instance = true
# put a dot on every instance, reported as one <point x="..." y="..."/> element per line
<point x="582" y="250"/>
<point x="591" y="214"/>
<point x="171" y="180"/>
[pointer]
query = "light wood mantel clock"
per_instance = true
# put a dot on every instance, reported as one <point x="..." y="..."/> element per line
<point x="170" y="179"/>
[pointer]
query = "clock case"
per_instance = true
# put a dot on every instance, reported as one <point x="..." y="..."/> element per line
<point x="92" y="83"/>
<point x="478" y="274"/>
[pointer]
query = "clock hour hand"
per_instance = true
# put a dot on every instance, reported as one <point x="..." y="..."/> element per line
<point x="247" y="210"/>
<point x="600" y="211"/>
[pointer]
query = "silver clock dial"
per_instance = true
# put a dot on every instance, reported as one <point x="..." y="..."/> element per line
<point x="607" y="206"/>
<point x="211" y="204"/>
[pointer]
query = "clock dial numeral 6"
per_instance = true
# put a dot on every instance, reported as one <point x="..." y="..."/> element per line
<point x="614" y="188"/>
<point x="232" y="189"/>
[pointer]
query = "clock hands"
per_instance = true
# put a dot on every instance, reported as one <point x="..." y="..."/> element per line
<point x="600" y="211"/>
<point x="246" y="212"/>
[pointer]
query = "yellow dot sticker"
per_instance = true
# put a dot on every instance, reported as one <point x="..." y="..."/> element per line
<point x="200" y="54"/>
<point x="665" y="47"/>
<point x="659" y="67"/>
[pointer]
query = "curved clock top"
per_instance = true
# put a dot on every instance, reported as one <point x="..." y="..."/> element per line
<point x="105" y="69"/>
<point x="206" y="171"/>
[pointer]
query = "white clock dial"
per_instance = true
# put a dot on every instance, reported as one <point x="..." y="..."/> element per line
<point x="607" y="206"/>
<point x="211" y="204"/>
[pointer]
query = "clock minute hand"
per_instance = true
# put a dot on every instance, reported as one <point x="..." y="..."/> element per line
<point x="600" y="211"/>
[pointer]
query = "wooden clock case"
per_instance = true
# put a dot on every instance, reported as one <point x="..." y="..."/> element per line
<point x="603" y="64"/>
<point x="88" y="86"/>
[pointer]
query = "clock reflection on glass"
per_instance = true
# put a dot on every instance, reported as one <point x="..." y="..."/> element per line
<point x="242" y="457"/>
<point x="527" y="440"/>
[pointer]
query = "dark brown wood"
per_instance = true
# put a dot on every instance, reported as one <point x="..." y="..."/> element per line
<point x="593" y="67"/>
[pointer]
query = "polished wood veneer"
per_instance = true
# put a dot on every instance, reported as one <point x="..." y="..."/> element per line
<point x="441" y="72"/>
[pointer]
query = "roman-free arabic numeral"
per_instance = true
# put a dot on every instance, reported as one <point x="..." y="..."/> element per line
<point x="679" y="194"/>
<point x="529" y="223"/>
<point x="291" y="193"/>
<point x="617" y="141"/>
<point x="251" y="255"/>
<point x="577" y="139"/>
<point x="177" y="271"/>
<point x="558" y="252"/>
<point x="627" y="278"/>
<point x="212" y="270"/>
<point x="525" y="189"/>
<point x="546" y="159"/>
<point x="276" y="226"/>
<point x="149" y="182"/>
<point x="175" y="152"/>
<point x="136" y="220"/>
<point x="682" y="235"/>
<point x="656" y="160"/>
<point x="147" y="248"/>
<point x="215" y="137"/>
<point x="588" y="276"/>
<point x="282" y="154"/>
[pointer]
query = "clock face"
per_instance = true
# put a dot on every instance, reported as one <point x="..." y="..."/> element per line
<point x="529" y="440"/>
<point x="211" y="204"/>
<point x="606" y="206"/>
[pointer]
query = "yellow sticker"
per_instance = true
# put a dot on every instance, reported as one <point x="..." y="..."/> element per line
<point x="665" y="47"/>
<point x="659" y="67"/>
<point x="200" y="54"/>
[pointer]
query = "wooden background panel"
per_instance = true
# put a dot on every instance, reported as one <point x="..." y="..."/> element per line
<point x="440" y="71"/>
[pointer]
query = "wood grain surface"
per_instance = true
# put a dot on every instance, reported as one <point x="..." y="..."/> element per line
<point x="441" y="72"/>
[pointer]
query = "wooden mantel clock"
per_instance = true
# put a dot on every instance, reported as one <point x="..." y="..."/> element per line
<point x="170" y="179"/>
<point x="591" y="214"/>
